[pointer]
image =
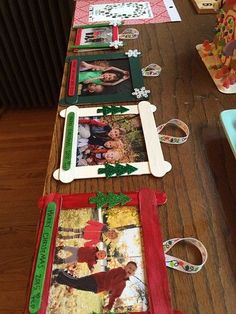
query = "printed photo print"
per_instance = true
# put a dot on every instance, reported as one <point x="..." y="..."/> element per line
<point x="96" y="35"/>
<point x="110" y="139"/>
<point x="103" y="77"/>
<point x="98" y="265"/>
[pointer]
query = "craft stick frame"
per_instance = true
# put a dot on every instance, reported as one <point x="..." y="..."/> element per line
<point x="146" y="203"/>
<point x="79" y="43"/>
<point x="68" y="171"/>
<point x="75" y="89"/>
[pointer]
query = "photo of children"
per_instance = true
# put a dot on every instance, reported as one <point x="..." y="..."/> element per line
<point x="104" y="77"/>
<point x="108" y="274"/>
<point x="112" y="281"/>
<point x="88" y="255"/>
<point x="96" y="35"/>
<point x="110" y="139"/>
<point x="93" y="233"/>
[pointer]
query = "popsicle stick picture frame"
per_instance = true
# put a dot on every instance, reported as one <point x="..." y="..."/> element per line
<point x="97" y="36"/>
<point x="115" y="77"/>
<point x="111" y="265"/>
<point x="110" y="141"/>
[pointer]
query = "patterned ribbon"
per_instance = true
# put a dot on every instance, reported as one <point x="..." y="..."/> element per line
<point x="173" y="139"/>
<point x="129" y="33"/>
<point x="152" y="69"/>
<point x="178" y="264"/>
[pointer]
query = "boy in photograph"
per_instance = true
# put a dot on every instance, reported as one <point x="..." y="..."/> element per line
<point x="112" y="281"/>
<point x="88" y="255"/>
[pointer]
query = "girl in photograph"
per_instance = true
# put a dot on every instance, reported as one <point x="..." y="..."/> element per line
<point x="110" y="156"/>
<point x="116" y="143"/>
<point x="102" y="75"/>
<point x="91" y="89"/>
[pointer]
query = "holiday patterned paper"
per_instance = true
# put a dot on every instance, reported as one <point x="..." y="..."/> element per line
<point x="141" y="12"/>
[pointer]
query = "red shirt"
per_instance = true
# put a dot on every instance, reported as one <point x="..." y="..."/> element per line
<point x="87" y="255"/>
<point x="92" y="122"/>
<point x="92" y="232"/>
<point x="113" y="281"/>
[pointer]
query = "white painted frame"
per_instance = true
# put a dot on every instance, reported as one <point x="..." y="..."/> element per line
<point x="156" y="165"/>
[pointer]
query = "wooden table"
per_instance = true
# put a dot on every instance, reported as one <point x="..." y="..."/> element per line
<point x="201" y="187"/>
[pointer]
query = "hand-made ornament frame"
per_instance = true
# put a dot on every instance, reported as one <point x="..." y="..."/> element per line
<point x="97" y="36"/>
<point x="126" y="224"/>
<point x="112" y="77"/>
<point x="110" y="141"/>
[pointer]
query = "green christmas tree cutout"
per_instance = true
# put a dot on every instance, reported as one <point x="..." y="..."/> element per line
<point x="110" y="199"/>
<point x="112" y="110"/>
<point x="117" y="170"/>
<point x="100" y="200"/>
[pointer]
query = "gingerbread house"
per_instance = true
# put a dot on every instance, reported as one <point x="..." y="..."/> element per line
<point x="219" y="56"/>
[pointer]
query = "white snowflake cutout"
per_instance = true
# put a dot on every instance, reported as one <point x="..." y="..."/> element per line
<point x="133" y="53"/>
<point x="116" y="44"/>
<point x="115" y="22"/>
<point x="142" y="92"/>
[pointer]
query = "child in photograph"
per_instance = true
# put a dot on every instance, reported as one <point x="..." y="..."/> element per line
<point x="84" y="131"/>
<point x="91" y="89"/>
<point x="114" y="155"/>
<point x="97" y="74"/>
<point x="94" y="40"/>
<point x="116" y="143"/>
<point x="102" y="143"/>
<point x="100" y="136"/>
<point x="95" y="159"/>
<point x="95" y="36"/>
<point x="101" y="34"/>
<point x="98" y="132"/>
<point x="94" y="154"/>
<point x="112" y="281"/>
<point x="111" y="156"/>
<point x="96" y="149"/>
<point x="89" y="255"/>
<point x="93" y="232"/>
<point x="92" y="121"/>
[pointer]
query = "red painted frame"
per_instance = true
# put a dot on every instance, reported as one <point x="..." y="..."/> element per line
<point x="147" y="202"/>
<point x="77" y="42"/>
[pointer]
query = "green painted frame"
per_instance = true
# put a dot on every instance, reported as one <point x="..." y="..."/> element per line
<point x="135" y="75"/>
<point x="77" y="45"/>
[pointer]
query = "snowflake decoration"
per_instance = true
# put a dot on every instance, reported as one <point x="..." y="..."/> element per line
<point x="115" y="23"/>
<point x="116" y="44"/>
<point x="142" y="92"/>
<point x="133" y="53"/>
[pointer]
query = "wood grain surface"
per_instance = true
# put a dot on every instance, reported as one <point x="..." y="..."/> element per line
<point x="201" y="187"/>
<point x="25" y="140"/>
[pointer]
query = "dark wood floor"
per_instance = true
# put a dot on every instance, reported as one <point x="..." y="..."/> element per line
<point x="25" y="139"/>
